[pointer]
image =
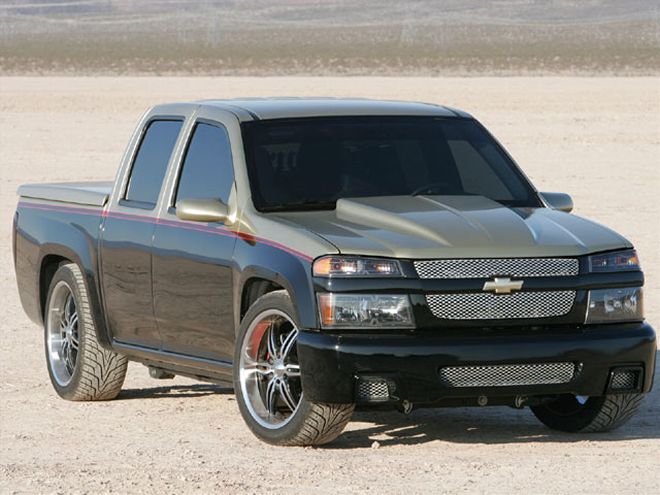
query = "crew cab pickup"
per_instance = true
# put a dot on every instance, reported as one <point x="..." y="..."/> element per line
<point x="323" y="254"/>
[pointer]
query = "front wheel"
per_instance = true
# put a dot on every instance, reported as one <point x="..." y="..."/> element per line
<point x="588" y="414"/>
<point x="268" y="382"/>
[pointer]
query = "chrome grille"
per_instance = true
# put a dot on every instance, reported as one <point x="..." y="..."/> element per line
<point x="489" y="267"/>
<point x="507" y="375"/>
<point x="486" y="306"/>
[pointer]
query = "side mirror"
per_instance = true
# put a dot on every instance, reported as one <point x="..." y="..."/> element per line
<point x="202" y="210"/>
<point x="558" y="201"/>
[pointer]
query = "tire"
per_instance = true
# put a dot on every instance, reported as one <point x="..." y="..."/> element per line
<point x="596" y="414"/>
<point x="283" y="416"/>
<point x="79" y="368"/>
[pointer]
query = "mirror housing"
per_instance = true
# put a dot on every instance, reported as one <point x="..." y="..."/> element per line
<point x="557" y="201"/>
<point x="202" y="210"/>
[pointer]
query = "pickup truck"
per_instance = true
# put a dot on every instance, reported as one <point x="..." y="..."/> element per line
<point x="327" y="254"/>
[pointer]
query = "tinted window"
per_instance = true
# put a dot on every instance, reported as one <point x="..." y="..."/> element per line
<point x="477" y="176"/>
<point x="151" y="161"/>
<point x="207" y="167"/>
<point x="319" y="160"/>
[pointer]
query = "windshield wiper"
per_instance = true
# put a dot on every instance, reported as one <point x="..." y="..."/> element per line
<point x="306" y="205"/>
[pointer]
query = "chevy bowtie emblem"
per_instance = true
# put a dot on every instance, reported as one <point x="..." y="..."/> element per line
<point x="503" y="285"/>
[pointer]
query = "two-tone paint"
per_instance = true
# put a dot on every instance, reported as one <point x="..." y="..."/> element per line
<point x="171" y="293"/>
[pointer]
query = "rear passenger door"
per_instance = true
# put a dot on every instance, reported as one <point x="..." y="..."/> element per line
<point x="127" y="232"/>
<point x="192" y="261"/>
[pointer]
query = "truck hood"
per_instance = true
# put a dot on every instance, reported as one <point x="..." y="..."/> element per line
<point x="453" y="227"/>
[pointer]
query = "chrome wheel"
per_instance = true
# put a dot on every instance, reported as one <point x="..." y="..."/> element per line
<point x="269" y="371"/>
<point x="62" y="336"/>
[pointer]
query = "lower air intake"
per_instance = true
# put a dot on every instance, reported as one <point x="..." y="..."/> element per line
<point x="507" y="375"/>
<point x="624" y="380"/>
<point x="373" y="390"/>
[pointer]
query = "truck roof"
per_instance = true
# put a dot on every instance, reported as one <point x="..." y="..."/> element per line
<point x="290" y="107"/>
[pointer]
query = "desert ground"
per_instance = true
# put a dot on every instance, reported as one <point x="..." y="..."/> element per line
<point x="596" y="138"/>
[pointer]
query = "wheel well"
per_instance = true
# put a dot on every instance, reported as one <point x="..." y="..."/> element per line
<point x="253" y="289"/>
<point x="49" y="266"/>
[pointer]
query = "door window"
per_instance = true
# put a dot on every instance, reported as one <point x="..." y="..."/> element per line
<point x="207" y="167"/>
<point x="151" y="161"/>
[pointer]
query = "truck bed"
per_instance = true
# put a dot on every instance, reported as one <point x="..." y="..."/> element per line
<point x="82" y="193"/>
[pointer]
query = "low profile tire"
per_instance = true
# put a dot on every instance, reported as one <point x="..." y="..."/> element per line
<point x="79" y="368"/>
<point x="268" y="382"/>
<point x="588" y="414"/>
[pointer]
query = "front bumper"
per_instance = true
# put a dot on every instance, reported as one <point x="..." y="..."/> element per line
<point x="331" y="364"/>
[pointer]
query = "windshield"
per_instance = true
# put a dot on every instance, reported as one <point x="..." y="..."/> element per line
<point x="307" y="164"/>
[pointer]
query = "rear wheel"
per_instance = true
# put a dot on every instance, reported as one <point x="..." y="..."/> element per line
<point x="79" y="368"/>
<point x="268" y="382"/>
<point x="588" y="414"/>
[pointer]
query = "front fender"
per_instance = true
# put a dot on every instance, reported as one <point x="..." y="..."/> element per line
<point x="284" y="268"/>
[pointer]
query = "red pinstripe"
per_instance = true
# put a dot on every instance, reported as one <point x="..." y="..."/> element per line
<point x="219" y="230"/>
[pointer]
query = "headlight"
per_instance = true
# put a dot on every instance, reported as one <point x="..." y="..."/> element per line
<point x="614" y="262"/>
<point x="610" y="305"/>
<point x="345" y="266"/>
<point x="365" y="310"/>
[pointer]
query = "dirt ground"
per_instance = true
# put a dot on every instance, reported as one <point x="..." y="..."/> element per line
<point x="595" y="138"/>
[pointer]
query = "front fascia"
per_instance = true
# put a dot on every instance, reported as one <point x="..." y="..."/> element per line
<point x="418" y="288"/>
<point x="332" y="362"/>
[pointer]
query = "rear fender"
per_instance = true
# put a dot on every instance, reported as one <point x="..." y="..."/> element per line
<point x="56" y="233"/>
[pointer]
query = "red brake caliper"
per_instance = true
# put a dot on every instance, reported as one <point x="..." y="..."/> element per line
<point x="257" y="335"/>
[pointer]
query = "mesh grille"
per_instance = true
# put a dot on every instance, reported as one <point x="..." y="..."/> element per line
<point x="507" y="375"/>
<point x="624" y="380"/>
<point x="373" y="390"/>
<point x="487" y="268"/>
<point x="486" y="306"/>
